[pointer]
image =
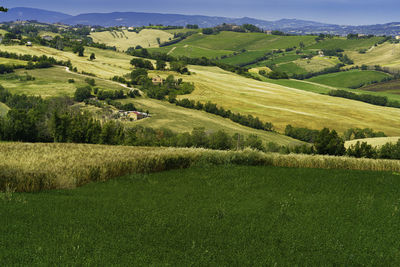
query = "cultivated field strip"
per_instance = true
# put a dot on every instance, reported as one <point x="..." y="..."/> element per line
<point x="26" y="167"/>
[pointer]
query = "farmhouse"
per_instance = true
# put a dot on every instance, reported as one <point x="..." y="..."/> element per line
<point x="28" y="43"/>
<point x="157" y="80"/>
<point x="133" y="115"/>
<point x="398" y="37"/>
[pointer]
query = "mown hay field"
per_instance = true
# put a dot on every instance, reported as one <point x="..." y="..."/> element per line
<point x="375" y="142"/>
<point x="106" y="65"/>
<point x="179" y="119"/>
<point x="51" y="82"/>
<point x="26" y="167"/>
<point x="385" y="55"/>
<point x="283" y="105"/>
<point x="124" y="39"/>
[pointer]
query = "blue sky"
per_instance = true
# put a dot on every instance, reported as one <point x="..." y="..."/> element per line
<point x="354" y="12"/>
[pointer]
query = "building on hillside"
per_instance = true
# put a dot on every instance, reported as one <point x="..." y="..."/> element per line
<point x="47" y="37"/>
<point x="268" y="32"/>
<point x="28" y="43"/>
<point x="361" y="35"/>
<point x="157" y="80"/>
<point x="321" y="53"/>
<point x="92" y="29"/>
<point x="398" y="37"/>
<point x="132" y="115"/>
<point x="131" y="28"/>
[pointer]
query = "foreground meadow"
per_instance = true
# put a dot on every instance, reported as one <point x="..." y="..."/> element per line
<point x="227" y="215"/>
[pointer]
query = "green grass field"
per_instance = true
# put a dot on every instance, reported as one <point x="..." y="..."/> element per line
<point x="279" y="59"/>
<point x="282" y="105"/>
<point x="349" y="79"/>
<point x="225" y="43"/>
<point x="243" y="57"/>
<point x="346" y="44"/>
<point x="50" y="82"/>
<point x="146" y="38"/>
<point x="3" y="109"/>
<point x="267" y="216"/>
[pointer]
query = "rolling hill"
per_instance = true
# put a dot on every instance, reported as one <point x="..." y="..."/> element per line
<point x="282" y="105"/>
<point x="125" y="39"/>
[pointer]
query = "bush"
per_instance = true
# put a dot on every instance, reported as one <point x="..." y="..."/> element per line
<point x="82" y="93"/>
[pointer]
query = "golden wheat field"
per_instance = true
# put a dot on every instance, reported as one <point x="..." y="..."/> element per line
<point x="123" y="39"/>
<point x="375" y="142"/>
<point x="107" y="64"/>
<point x="284" y="105"/>
<point x="27" y="167"/>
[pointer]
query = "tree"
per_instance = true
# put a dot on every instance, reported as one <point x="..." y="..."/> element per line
<point x="329" y="143"/>
<point x="3" y="9"/>
<point x="92" y="56"/>
<point x="138" y="74"/>
<point x="160" y="64"/>
<point x="80" y="49"/>
<point x="82" y="93"/>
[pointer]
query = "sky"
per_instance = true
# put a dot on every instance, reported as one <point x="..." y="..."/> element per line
<point x="349" y="12"/>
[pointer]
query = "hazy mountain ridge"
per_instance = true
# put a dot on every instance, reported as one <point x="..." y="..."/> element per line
<point x="143" y="19"/>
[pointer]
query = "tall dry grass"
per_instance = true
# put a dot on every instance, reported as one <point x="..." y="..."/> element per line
<point x="26" y="167"/>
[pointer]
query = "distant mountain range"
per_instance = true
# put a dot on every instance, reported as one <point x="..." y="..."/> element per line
<point x="143" y="19"/>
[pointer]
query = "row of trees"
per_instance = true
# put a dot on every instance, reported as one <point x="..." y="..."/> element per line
<point x="246" y="120"/>
<point x="371" y="99"/>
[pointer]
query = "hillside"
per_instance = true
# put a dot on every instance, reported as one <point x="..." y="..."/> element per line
<point x="3" y="109"/>
<point x="283" y="105"/>
<point x="250" y="46"/>
<point x="350" y="79"/>
<point x="107" y="65"/>
<point x="386" y="55"/>
<point x="124" y="39"/>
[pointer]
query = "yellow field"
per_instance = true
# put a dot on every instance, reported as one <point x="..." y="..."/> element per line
<point x="317" y="63"/>
<point x="51" y="82"/>
<point x="283" y="105"/>
<point x="52" y="34"/>
<point x="386" y="55"/>
<point x="376" y="142"/>
<point x="10" y="61"/>
<point x="107" y="64"/>
<point x="256" y="70"/>
<point x="28" y="167"/>
<point x="178" y="119"/>
<point x="146" y="38"/>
